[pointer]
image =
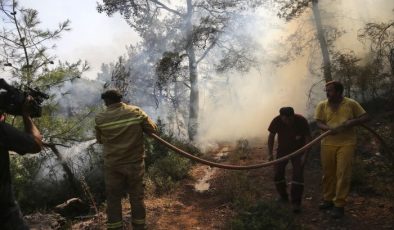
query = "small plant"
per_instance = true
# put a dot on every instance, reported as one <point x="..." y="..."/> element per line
<point x="239" y="188"/>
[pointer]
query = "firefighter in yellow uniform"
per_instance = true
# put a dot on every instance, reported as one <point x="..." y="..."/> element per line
<point x="120" y="129"/>
<point x="339" y="114"/>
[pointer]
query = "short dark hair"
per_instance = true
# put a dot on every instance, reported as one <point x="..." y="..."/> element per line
<point x="337" y="86"/>
<point x="286" y="111"/>
<point x="112" y="95"/>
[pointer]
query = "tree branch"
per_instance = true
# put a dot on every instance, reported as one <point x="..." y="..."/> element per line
<point x="163" y="6"/>
<point x="207" y="51"/>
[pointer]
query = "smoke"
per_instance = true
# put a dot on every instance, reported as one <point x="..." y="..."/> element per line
<point x="351" y="17"/>
<point x="76" y="95"/>
<point x="235" y="105"/>
<point x="244" y="107"/>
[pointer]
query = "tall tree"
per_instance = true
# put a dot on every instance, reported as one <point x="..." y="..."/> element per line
<point x="190" y="28"/>
<point x="294" y="8"/>
<point x="23" y="43"/>
<point x="380" y="38"/>
<point x="24" y="56"/>
<point x="381" y="41"/>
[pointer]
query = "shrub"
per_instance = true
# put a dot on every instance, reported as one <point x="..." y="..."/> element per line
<point x="167" y="171"/>
<point x="239" y="188"/>
<point x="32" y="190"/>
<point x="166" y="168"/>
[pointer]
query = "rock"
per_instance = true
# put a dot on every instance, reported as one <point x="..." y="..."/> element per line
<point x="72" y="208"/>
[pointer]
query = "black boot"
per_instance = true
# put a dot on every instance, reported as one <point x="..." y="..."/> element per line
<point x="337" y="212"/>
<point x="326" y="205"/>
<point x="296" y="196"/>
<point x="281" y="187"/>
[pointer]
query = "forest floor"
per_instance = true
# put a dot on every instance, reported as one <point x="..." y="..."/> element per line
<point x="189" y="208"/>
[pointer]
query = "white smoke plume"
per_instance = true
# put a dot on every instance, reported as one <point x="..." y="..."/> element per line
<point x="244" y="107"/>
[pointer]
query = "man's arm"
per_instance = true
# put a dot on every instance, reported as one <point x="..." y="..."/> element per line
<point x="30" y="127"/>
<point x="356" y="121"/>
<point x="271" y="140"/>
<point x="322" y="125"/>
<point x="98" y="135"/>
<point x="149" y="126"/>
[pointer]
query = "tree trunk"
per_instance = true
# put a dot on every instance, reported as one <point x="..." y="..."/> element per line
<point x="69" y="174"/>
<point x="194" y="93"/>
<point x="322" y="42"/>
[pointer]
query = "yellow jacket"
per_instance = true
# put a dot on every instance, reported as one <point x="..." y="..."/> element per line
<point x="348" y="109"/>
<point x="120" y="129"/>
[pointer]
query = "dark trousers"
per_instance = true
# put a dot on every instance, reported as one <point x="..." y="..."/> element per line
<point x="13" y="220"/>
<point x="297" y="183"/>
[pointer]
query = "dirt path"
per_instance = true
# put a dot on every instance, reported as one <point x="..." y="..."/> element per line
<point x="188" y="209"/>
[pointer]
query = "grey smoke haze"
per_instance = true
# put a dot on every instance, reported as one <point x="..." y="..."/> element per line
<point x="245" y="107"/>
<point x="241" y="105"/>
<point x="78" y="94"/>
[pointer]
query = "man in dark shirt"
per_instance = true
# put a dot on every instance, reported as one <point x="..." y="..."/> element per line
<point x="12" y="139"/>
<point x="293" y="133"/>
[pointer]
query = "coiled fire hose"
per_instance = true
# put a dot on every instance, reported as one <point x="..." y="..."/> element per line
<point x="260" y="165"/>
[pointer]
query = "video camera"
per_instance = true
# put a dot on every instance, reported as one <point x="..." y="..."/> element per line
<point x="12" y="99"/>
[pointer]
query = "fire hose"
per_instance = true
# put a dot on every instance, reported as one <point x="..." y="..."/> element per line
<point x="260" y="165"/>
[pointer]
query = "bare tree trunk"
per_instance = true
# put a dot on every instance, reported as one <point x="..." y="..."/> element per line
<point x="69" y="174"/>
<point x="194" y="93"/>
<point x="322" y="41"/>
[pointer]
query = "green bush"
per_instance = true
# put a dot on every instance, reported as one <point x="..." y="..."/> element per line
<point x="155" y="150"/>
<point x="166" y="168"/>
<point x="33" y="192"/>
<point x="39" y="183"/>
<point x="167" y="171"/>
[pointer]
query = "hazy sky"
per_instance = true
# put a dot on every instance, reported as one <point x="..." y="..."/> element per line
<point x="94" y="37"/>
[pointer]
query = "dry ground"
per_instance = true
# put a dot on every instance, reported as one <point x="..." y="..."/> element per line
<point x="185" y="208"/>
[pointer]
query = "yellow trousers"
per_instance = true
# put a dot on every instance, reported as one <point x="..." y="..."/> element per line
<point x="337" y="170"/>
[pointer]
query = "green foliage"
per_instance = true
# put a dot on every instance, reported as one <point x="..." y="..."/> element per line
<point x="264" y="215"/>
<point x="24" y="44"/>
<point x="155" y="151"/>
<point x="34" y="176"/>
<point x="32" y="190"/>
<point x="167" y="68"/>
<point x="166" y="172"/>
<point x="166" y="168"/>
<point x="239" y="188"/>
<point x="24" y="171"/>
<point x="26" y="58"/>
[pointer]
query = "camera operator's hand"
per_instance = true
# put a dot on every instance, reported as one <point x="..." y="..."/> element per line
<point x="27" y="106"/>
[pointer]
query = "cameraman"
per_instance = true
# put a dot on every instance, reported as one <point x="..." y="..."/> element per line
<point x="12" y="139"/>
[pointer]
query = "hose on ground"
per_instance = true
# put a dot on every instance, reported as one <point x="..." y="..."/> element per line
<point x="239" y="167"/>
<point x="259" y="165"/>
